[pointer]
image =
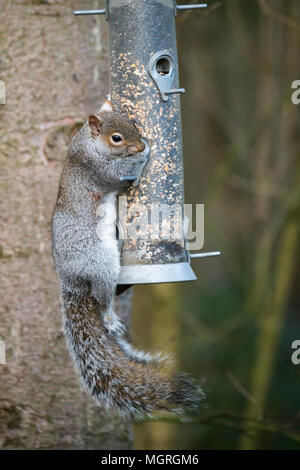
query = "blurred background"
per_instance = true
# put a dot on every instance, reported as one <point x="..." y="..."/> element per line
<point x="234" y="327"/>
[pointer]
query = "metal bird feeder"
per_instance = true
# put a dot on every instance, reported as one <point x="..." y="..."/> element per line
<point x="144" y="84"/>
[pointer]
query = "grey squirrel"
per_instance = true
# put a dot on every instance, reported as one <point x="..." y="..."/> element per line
<point x="87" y="259"/>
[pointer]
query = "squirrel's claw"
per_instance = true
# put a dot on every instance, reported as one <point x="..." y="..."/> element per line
<point x="141" y="161"/>
<point x="145" y="154"/>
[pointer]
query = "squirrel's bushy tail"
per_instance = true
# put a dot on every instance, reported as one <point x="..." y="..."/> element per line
<point x="115" y="374"/>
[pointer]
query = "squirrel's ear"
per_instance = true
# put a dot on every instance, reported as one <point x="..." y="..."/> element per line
<point x="95" y="124"/>
<point x="107" y="106"/>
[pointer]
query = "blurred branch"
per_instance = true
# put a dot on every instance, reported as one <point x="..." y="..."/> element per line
<point x="236" y="421"/>
<point x="215" y="106"/>
<point x="241" y="145"/>
<point x="266" y="189"/>
<point x="203" y="14"/>
<point x="239" y="31"/>
<point x="284" y="217"/>
<point x="272" y="270"/>
<point x="166" y="299"/>
<point x="240" y="388"/>
<point x="267" y="10"/>
<point x="205" y="334"/>
<point x="272" y="320"/>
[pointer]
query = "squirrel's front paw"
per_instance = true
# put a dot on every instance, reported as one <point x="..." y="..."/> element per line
<point x="136" y="166"/>
<point x="113" y="325"/>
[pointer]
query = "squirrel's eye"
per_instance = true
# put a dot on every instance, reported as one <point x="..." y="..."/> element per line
<point x="117" y="138"/>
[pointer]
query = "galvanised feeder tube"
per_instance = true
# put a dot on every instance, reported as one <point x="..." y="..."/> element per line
<point x="144" y="84"/>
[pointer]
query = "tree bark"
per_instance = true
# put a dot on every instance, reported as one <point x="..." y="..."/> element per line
<point x="55" y="70"/>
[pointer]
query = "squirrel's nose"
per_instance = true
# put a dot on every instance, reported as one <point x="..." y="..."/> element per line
<point x="136" y="148"/>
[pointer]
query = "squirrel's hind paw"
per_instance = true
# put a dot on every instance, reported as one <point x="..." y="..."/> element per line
<point x="113" y="325"/>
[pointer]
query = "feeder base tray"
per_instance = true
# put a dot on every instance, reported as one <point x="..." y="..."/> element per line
<point x="156" y="273"/>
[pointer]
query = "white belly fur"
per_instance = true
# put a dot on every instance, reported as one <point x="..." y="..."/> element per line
<point x="106" y="226"/>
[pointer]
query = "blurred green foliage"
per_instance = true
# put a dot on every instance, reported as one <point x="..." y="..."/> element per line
<point x="234" y="326"/>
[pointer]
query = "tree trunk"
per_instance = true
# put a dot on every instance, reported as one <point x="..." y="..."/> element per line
<point x="55" y="70"/>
